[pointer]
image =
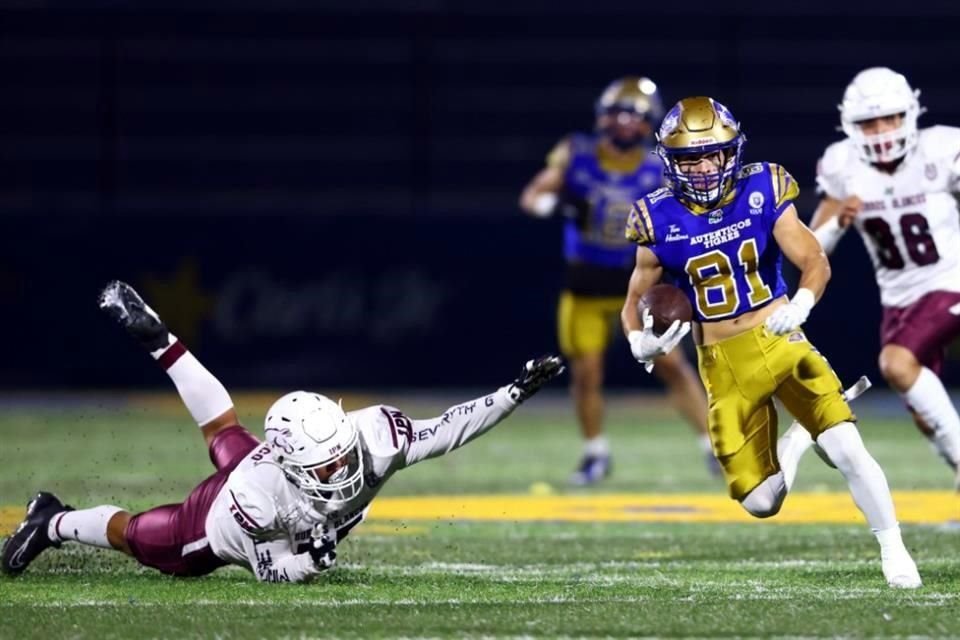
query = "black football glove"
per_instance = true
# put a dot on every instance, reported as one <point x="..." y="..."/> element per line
<point x="536" y="373"/>
<point x="323" y="550"/>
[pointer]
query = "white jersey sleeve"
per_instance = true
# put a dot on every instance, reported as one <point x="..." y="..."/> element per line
<point x="275" y="561"/>
<point x="831" y="170"/>
<point x="270" y="555"/>
<point x="942" y="148"/>
<point x="416" y="440"/>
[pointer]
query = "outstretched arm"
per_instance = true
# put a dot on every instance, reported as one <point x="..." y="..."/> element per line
<point x="204" y="396"/>
<point x="463" y="422"/>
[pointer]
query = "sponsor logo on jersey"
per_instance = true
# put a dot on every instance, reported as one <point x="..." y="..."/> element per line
<point x="722" y="235"/>
<point x="930" y="171"/>
<point x="751" y="169"/>
<point x="715" y="217"/>
<point x="400" y="426"/>
<point x="874" y="205"/>
<point x="674" y="234"/>
<point x="756" y="203"/>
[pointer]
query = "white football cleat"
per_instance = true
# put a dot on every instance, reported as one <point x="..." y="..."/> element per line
<point x="901" y="571"/>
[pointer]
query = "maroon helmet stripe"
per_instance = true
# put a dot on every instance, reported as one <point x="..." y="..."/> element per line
<point x="171" y="355"/>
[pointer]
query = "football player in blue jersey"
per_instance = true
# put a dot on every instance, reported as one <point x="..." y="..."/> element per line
<point x="722" y="229"/>
<point x="593" y="180"/>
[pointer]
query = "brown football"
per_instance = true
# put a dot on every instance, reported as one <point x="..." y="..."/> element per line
<point x="666" y="303"/>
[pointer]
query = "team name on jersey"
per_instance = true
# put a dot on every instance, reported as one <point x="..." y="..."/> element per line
<point x="721" y="235"/>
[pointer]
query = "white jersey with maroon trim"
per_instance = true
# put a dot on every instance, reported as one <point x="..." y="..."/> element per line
<point x="261" y="521"/>
<point x="909" y="222"/>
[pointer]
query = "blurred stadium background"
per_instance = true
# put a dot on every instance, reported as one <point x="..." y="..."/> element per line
<point x="328" y="189"/>
<point x="323" y="195"/>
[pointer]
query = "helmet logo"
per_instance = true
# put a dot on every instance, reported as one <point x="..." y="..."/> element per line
<point x="279" y="439"/>
<point x="699" y="142"/>
<point x="725" y="116"/>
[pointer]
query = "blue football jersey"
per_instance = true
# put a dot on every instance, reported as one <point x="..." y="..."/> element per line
<point x="726" y="259"/>
<point x="611" y="196"/>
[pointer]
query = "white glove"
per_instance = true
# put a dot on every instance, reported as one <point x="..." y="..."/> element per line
<point x="645" y="345"/>
<point x="790" y="316"/>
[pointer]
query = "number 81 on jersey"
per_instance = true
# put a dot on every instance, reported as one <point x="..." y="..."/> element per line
<point x="713" y="278"/>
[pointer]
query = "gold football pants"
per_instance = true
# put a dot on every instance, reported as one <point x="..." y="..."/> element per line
<point x="742" y="374"/>
<point x="586" y="325"/>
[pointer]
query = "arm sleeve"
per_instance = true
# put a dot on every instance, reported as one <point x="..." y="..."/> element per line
<point x="274" y="561"/>
<point x="457" y="426"/>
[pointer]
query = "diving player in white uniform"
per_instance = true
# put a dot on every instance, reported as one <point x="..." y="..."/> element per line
<point x="277" y="507"/>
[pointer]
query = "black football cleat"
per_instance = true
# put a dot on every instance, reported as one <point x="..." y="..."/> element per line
<point x="535" y="374"/>
<point x="124" y="304"/>
<point x="30" y="539"/>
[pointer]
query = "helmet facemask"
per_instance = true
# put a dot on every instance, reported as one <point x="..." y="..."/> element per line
<point x="336" y="480"/>
<point x="885" y="147"/>
<point x="702" y="189"/>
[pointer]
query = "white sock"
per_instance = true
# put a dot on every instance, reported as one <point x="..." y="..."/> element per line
<point x="868" y="485"/>
<point x="204" y="396"/>
<point x="891" y="544"/>
<point x="596" y="446"/>
<point x="87" y="526"/>
<point x="790" y="448"/>
<point x="705" y="446"/>
<point x="930" y="400"/>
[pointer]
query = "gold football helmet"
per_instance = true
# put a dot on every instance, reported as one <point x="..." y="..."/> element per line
<point x="625" y="103"/>
<point x="695" y="128"/>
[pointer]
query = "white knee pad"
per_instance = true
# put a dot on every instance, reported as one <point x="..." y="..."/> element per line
<point x="843" y="446"/>
<point x="767" y="497"/>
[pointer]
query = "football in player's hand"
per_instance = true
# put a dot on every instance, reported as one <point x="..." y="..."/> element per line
<point x="666" y="303"/>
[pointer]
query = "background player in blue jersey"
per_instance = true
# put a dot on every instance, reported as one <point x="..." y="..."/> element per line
<point x="722" y="231"/>
<point x="593" y="180"/>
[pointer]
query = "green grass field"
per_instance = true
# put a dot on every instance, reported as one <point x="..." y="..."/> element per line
<point x="463" y="578"/>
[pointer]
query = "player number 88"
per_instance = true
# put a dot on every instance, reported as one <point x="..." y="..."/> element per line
<point x="711" y="275"/>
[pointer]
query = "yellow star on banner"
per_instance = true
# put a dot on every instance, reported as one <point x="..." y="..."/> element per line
<point x="180" y="301"/>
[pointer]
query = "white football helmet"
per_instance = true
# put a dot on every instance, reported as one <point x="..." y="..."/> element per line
<point x="874" y="93"/>
<point x="315" y="444"/>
